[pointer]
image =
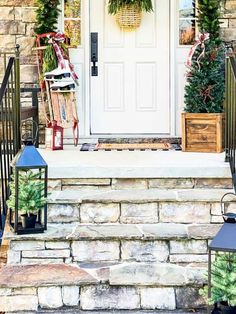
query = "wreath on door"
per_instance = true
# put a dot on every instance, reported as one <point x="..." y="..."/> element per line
<point x="128" y="13"/>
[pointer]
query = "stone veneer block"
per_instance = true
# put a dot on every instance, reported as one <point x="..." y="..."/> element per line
<point x="216" y="219"/>
<point x="189" y="297"/>
<point x="216" y="209"/>
<point x="54" y="185"/>
<point x="86" y="182"/>
<point x="139" y="213"/>
<point x="24" y="291"/>
<point x="19" y="303"/>
<point x="188" y="258"/>
<point x="27" y="245"/>
<point x="164" y="231"/>
<point x="188" y="247"/>
<point x="50" y="297"/>
<point x="46" y="254"/>
<point x="213" y="183"/>
<point x="99" y="213"/>
<point x="108" y="298"/>
<point x="7" y="13"/>
<point x="70" y="295"/>
<point x="13" y="257"/>
<point x="120" y="184"/>
<point x="173" y="183"/>
<point x="94" y="251"/>
<point x="63" y="213"/>
<point x="202" y="231"/>
<point x="106" y="231"/>
<point x="86" y="188"/>
<point x="5" y="291"/>
<point x="41" y="261"/>
<point x="57" y="245"/>
<point x="27" y="15"/>
<point x="184" y="212"/>
<point x="144" y="251"/>
<point x="158" y="298"/>
<point x="155" y="274"/>
<point x="229" y="207"/>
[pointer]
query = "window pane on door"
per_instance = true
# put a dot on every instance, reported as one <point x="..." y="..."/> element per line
<point x="187" y="22"/>
<point x="72" y="21"/>
<point x="187" y="8"/>
<point x="187" y="32"/>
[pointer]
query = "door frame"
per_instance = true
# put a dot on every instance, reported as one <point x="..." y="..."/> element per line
<point x="85" y="115"/>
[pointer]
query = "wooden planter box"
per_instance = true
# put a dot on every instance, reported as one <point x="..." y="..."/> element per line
<point x="203" y="132"/>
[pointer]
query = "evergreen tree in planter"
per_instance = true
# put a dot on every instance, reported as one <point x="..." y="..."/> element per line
<point x="31" y="198"/>
<point x="204" y="91"/>
<point x="46" y="16"/>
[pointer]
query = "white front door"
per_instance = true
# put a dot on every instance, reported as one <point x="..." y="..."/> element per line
<point x="130" y="95"/>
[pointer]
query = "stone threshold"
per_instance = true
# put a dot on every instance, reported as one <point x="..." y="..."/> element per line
<point x="138" y="196"/>
<point x="104" y="232"/>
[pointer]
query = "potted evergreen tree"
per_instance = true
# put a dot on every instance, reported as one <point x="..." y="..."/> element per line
<point x="223" y="284"/>
<point x="129" y="12"/>
<point x="202" y="121"/>
<point x="31" y="198"/>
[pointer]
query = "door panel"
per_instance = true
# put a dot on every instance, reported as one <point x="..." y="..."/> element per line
<point x="130" y="95"/>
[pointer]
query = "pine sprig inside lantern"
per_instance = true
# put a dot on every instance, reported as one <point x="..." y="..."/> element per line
<point x="223" y="279"/>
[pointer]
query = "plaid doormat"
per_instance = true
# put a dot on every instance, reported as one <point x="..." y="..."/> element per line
<point x="130" y="147"/>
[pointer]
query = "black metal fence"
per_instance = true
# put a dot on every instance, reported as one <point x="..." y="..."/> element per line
<point x="230" y="115"/>
<point x="11" y="117"/>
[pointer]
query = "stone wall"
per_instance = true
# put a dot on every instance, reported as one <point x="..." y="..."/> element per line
<point x="17" y="20"/>
<point x="229" y="21"/>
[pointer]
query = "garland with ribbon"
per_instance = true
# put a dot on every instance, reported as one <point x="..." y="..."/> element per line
<point x="57" y="40"/>
<point x="200" y="42"/>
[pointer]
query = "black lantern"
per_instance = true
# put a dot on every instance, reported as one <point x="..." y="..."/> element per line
<point x="223" y="246"/>
<point x="28" y="192"/>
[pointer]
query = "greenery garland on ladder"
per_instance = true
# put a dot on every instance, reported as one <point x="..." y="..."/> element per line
<point x="46" y="16"/>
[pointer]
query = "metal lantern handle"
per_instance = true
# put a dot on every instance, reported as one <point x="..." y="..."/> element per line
<point x="34" y="129"/>
<point x="228" y="217"/>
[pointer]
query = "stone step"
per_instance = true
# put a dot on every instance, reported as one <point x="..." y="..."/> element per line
<point x="150" y="287"/>
<point x="136" y="206"/>
<point x="71" y="163"/>
<point x="76" y="243"/>
<point x="73" y="311"/>
<point x="106" y="184"/>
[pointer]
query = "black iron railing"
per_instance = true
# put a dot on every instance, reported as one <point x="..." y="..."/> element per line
<point x="230" y="115"/>
<point x="11" y="117"/>
<point x="9" y="123"/>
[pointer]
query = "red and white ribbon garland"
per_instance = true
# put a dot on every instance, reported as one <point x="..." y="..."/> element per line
<point x="199" y="42"/>
<point x="60" y="53"/>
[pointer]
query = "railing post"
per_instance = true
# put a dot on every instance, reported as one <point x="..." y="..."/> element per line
<point x="17" y="99"/>
<point x="35" y="118"/>
<point x="227" y="153"/>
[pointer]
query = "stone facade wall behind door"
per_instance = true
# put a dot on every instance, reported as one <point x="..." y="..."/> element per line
<point x="17" y="19"/>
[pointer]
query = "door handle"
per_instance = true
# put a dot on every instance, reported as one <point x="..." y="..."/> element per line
<point x="94" y="54"/>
